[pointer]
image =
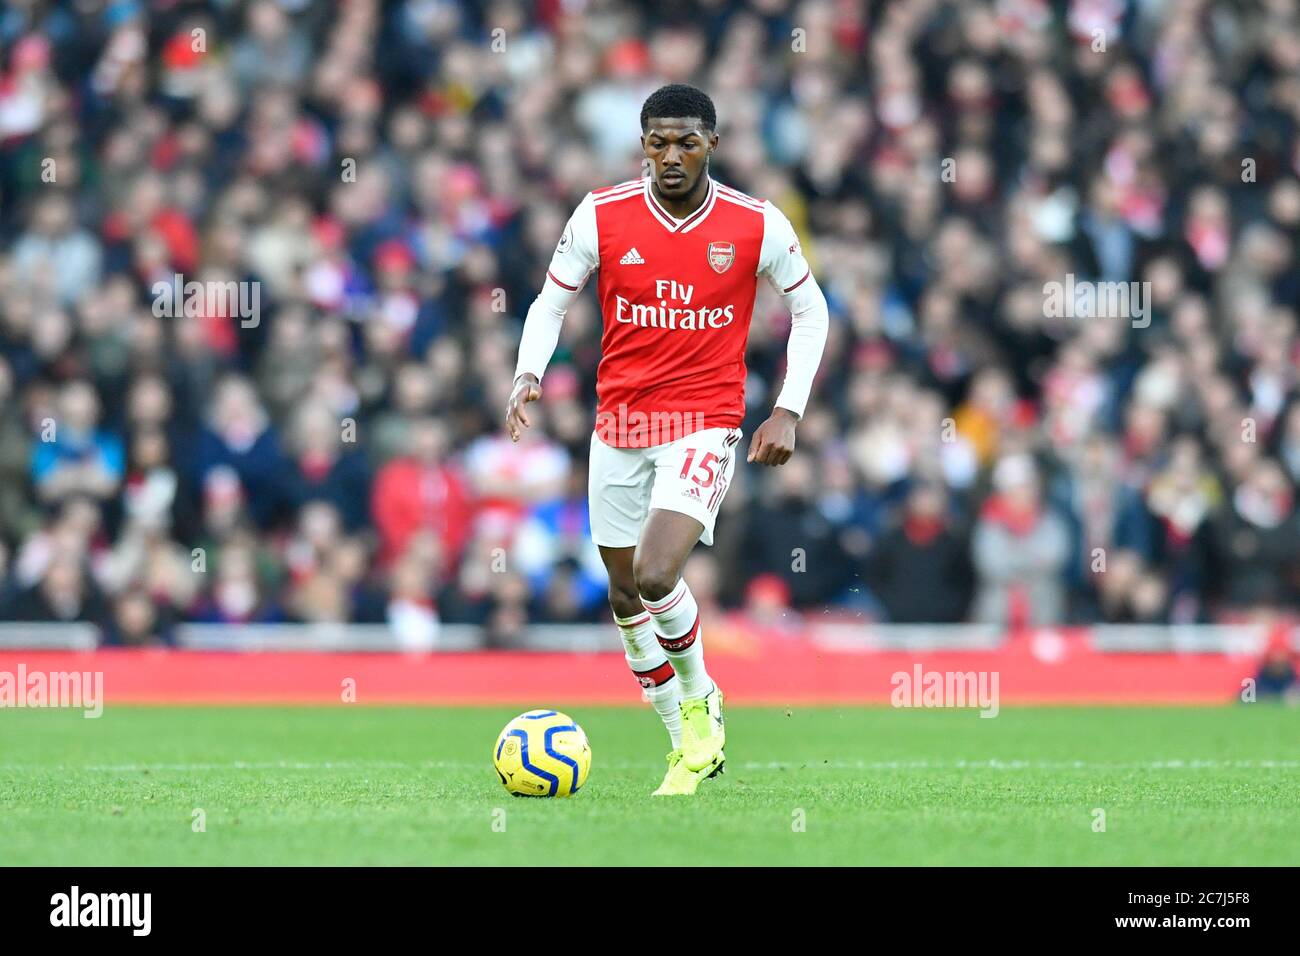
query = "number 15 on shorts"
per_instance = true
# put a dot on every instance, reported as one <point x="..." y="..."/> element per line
<point x="701" y="472"/>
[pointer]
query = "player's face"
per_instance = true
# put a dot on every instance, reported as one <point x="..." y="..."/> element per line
<point x="678" y="148"/>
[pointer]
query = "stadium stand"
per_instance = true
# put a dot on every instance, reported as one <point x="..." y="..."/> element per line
<point x="388" y="182"/>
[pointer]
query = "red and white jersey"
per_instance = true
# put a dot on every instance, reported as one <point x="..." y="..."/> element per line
<point x="677" y="296"/>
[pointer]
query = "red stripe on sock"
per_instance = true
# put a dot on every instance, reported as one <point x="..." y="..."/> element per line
<point x="661" y="609"/>
<point x="683" y="642"/>
<point x="656" y="675"/>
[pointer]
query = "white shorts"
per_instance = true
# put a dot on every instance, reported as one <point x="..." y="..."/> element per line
<point x="689" y="475"/>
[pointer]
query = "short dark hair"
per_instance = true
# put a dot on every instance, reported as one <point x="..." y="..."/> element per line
<point x="678" y="99"/>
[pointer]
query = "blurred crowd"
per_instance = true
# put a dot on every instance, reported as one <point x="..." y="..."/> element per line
<point x="394" y="177"/>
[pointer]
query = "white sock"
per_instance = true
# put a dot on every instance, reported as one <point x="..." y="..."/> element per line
<point x="650" y="667"/>
<point x="677" y="626"/>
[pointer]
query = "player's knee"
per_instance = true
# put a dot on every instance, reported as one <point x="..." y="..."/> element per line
<point x="623" y="598"/>
<point x="655" y="580"/>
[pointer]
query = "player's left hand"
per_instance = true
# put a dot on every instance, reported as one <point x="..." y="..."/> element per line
<point x="773" y="443"/>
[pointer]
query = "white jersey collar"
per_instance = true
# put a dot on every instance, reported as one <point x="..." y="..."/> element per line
<point x="672" y="223"/>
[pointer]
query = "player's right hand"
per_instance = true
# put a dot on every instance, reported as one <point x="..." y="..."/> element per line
<point x="527" y="389"/>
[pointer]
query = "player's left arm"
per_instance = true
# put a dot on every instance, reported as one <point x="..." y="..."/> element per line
<point x="782" y="262"/>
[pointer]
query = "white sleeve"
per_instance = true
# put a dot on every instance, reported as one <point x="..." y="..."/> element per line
<point x="781" y="257"/>
<point x="781" y="260"/>
<point x="576" y="256"/>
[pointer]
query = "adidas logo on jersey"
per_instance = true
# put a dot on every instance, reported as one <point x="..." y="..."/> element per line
<point x="692" y="493"/>
<point x="632" y="258"/>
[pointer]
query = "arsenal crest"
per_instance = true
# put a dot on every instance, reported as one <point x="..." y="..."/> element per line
<point x="721" y="256"/>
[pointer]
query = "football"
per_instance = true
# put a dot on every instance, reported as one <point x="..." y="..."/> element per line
<point x="542" y="753"/>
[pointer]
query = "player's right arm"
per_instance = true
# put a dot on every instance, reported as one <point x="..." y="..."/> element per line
<point x="576" y="256"/>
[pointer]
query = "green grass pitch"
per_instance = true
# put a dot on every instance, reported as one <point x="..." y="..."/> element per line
<point x="361" y="785"/>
